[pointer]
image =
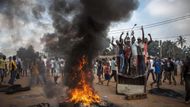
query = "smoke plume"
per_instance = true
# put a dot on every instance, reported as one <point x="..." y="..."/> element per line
<point x="81" y="28"/>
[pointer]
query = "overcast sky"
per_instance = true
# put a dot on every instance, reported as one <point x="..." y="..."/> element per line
<point x="152" y="11"/>
<point x="149" y="11"/>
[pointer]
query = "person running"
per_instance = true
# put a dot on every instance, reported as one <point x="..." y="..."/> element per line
<point x="150" y="69"/>
<point x="169" y="70"/>
<point x="99" y="72"/>
<point x="113" y="69"/>
<point x="52" y="67"/>
<point x="186" y="75"/>
<point x="107" y="73"/>
<point x="13" y="70"/>
<point x="157" y="66"/>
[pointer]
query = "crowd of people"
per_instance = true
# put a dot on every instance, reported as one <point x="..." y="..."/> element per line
<point x="38" y="69"/>
<point x="132" y="59"/>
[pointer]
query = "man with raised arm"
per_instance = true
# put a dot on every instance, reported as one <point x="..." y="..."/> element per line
<point x="118" y="50"/>
<point x="127" y="51"/>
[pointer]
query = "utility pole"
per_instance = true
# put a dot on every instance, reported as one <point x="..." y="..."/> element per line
<point x="160" y="48"/>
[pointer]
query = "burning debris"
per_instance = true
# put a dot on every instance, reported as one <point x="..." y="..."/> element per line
<point x="83" y="92"/>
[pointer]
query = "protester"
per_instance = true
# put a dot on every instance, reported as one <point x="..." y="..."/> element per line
<point x="134" y="55"/>
<point x="48" y="66"/>
<point x="62" y="64"/>
<point x="142" y="51"/>
<point x="13" y="70"/>
<point x="57" y="70"/>
<point x="140" y="58"/>
<point x="186" y="75"/>
<point x="34" y="73"/>
<point x="119" y="52"/>
<point x="95" y="66"/>
<point x="52" y="67"/>
<point x="150" y="69"/>
<point x="122" y="62"/>
<point x="25" y="69"/>
<point x="19" y="67"/>
<point x="107" y="73"/>
<point x="169" y="70"/>
<point x="179" y="65"/>
<point x="127" y="52"/>
<point x="6" y="66"/>
<point x="162" y="70"/>
<point x="113" y="69"/>
<point x="157" y="66"/>
<point x="2" y="67"/>
<point x="42" y="71"/>
<point x="99" y="72"/>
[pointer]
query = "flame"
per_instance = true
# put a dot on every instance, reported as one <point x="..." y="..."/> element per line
<point x="83" y="92"/>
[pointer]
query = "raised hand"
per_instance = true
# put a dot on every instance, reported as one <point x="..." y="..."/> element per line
<point x="132" y="33"/>
<point x="122" y="33"/>
<point x="127" y="34"/>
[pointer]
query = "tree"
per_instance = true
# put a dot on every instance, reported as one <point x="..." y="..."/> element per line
<point x="180" y="41"/>
<point x="153" y="48"/>
<point x="27" y="55"/>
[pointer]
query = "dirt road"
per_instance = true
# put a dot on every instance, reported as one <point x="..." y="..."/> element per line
<point x="36" y="95"/>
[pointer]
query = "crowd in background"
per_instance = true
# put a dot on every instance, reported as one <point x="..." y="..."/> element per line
<point x="38" y="70"/>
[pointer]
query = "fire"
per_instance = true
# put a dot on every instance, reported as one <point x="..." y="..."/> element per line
<point x="83" y="92"/>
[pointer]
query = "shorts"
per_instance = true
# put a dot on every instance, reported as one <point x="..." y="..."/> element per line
<point x="107" y="76"/>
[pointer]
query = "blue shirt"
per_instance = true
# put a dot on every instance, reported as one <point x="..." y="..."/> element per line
<point x="157" y="66"/>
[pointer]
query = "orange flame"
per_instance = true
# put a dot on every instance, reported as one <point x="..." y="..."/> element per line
<point x="83" y="93"/>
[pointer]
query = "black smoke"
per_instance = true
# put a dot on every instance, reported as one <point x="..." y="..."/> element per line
<point x="81" y="26"/>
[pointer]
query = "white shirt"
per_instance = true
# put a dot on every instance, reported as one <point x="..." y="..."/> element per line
<point x="151" y="64"/>
<point x="45" y="61"/>
<point x="109" y="62"/>
<point x="134" y="49"/>
<point x="52" y="63"/>
<point x="113" y="67"/>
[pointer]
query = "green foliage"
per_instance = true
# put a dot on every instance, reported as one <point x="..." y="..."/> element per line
<point x="27" y="55"/>
<point x="180" y="41"/>
<point x="168" y="49"/>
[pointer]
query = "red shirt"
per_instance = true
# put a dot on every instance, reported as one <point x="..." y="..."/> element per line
<point x="127" y="52"/>
<point x="107" y="69"/>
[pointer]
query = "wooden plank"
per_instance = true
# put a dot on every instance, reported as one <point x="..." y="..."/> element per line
<point x="136" y="96"/>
